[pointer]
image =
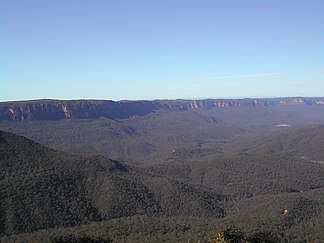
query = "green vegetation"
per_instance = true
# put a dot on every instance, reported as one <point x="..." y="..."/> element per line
<point x="171" y="135"/>
<point x="174" y="177"/>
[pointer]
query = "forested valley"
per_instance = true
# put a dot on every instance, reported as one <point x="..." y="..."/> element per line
<point x="252" y="174"/>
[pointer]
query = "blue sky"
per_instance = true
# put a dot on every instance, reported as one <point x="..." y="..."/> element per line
<point x="71" y="49"/>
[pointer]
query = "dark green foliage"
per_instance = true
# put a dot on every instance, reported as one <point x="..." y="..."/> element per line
<point x="43" y="188"/>
<point x="305" y="142"/>
<point x="264" y="237"/>
<point x="153" y="138"/>
<point x="196" y="172"/>
<point x="78" y="239"/>
<point x="233" y="235"/>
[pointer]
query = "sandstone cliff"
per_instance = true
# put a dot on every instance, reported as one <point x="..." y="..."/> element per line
<point x="63" y="109"/>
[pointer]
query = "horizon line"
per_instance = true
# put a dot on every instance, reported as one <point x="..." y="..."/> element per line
<point x="162" y="99"/>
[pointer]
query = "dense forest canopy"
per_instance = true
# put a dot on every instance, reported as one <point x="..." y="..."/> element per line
<point x="172" y="175"/>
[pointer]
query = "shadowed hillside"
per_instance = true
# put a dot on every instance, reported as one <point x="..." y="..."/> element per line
<point x="45" y="192"/>
<point x="44" y="188"/>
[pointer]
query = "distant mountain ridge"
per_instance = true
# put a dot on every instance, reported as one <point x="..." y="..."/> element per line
<point x="64" y="109"/>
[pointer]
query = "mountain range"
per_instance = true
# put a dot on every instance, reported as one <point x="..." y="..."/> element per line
<point x="60" y="109"/>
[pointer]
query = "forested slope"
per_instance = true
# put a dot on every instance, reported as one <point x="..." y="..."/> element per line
<point x="44" y="188"/>
<point x="45" y="192"/>
<point x="179" y="173"/>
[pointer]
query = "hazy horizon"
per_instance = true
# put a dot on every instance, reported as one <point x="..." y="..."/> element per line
<point x="194" y="98"/>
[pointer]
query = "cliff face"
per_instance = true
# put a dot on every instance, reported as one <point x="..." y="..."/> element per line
<point x="57" y="110"/>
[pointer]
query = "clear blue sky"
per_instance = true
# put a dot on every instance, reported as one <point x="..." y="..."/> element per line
<point x="121" y="49"/>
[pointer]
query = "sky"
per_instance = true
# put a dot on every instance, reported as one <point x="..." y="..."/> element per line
<point x="167" y="49"/>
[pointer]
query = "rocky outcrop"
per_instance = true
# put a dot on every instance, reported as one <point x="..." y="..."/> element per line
<point x="57" y="110"/>
<point x="211" y="103"/>
<point x="62" y="109"/>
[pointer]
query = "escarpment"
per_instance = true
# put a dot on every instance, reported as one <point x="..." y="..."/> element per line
<point x="66" y="109"/>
